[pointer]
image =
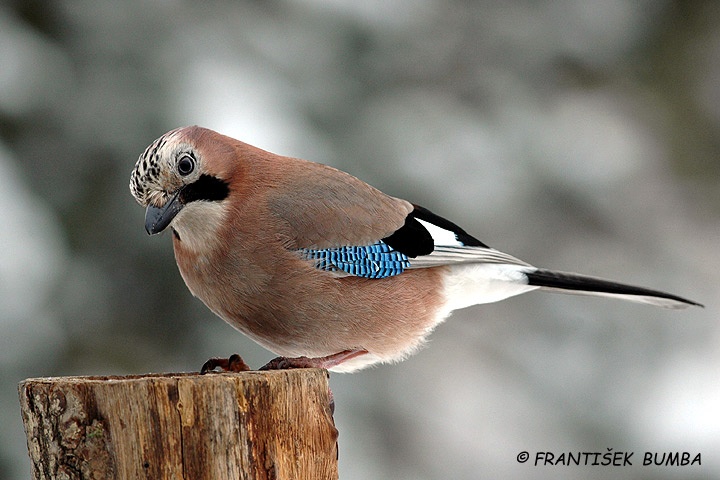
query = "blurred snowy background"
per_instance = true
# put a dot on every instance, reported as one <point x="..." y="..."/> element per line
<point x="583" y="136"/>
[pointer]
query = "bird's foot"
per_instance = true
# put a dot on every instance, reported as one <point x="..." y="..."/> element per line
<point x="284" y="363"/>
<point x="233" y="364"/>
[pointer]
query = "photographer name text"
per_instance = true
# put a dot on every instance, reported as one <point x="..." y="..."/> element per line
<point x="610" y="458"/>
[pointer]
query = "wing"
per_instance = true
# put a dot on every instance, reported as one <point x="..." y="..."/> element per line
<point x="425" y="240"/>
<point x="345" y="226"/>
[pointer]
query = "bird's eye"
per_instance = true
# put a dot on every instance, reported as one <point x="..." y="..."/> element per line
<point x="185" y="165"/>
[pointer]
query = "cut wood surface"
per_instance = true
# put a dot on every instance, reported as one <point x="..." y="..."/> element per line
<point x="250" y="425"/>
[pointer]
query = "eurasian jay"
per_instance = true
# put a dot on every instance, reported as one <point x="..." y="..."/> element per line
<point x="318" y="266"/>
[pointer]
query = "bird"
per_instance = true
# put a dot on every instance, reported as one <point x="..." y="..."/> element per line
<point x="316" y="265"/>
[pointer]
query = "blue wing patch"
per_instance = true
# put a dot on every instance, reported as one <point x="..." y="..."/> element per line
<point x="371" y="261"/>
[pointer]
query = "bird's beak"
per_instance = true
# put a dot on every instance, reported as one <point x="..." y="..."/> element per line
<point x="158" y="218"/>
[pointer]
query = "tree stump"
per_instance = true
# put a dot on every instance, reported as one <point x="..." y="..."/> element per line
<point x="250" y="425"/>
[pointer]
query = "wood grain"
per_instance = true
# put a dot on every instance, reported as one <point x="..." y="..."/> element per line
<point x="250" y="425"/>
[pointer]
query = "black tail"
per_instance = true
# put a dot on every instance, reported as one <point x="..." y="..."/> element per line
<point x="584" y="285"/>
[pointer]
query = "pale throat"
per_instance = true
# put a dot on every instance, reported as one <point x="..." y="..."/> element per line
<point x="198" y="225"/>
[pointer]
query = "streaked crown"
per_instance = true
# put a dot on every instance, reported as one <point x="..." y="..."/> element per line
<point x="152" y="181"/>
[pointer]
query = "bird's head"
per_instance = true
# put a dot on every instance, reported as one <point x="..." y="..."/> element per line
<point x="180" y="172"/>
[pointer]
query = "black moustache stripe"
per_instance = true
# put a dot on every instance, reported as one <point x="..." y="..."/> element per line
<point x="207" y="188"/>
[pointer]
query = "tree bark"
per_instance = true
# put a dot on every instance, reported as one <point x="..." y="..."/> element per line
<point x="250" y="425"/>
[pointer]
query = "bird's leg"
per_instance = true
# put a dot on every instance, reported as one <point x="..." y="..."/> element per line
<point x="233" y="364"/>
<point x="283" y="363"/>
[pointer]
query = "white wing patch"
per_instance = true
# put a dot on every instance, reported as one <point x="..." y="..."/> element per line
<point x="440" y="235"/>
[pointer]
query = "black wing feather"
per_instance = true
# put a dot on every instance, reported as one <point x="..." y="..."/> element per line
<point x="414" y="240"/>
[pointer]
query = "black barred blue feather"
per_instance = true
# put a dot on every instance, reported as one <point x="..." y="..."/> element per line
<point x="378" y="260"/>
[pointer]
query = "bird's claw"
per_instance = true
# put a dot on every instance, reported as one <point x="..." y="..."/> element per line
<point x="234" y="363"/>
